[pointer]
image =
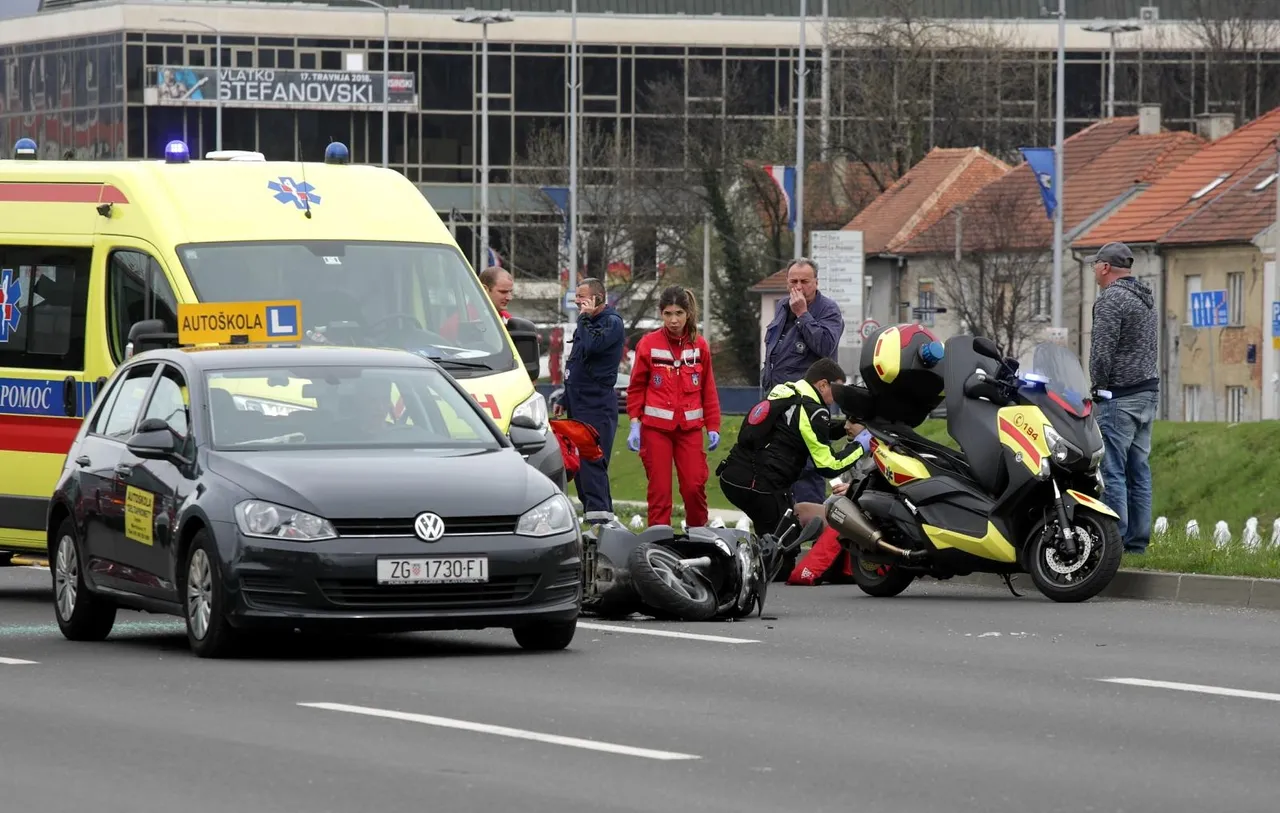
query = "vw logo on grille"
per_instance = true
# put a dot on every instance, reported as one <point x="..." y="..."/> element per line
<point x="428" y="526"/>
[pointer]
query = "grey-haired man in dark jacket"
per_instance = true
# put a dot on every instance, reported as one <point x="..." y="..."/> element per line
<point x="1122" y="359"/>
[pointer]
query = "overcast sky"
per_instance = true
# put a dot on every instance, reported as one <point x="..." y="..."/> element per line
<point x="18" y="8"/>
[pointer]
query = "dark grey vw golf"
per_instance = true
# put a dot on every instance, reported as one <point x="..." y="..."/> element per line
<point x="260" y="488"/>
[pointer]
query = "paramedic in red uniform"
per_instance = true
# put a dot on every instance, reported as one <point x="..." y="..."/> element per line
<point x="672" y="397"/>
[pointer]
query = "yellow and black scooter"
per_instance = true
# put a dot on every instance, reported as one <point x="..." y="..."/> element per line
<point x="1021" y="496"/>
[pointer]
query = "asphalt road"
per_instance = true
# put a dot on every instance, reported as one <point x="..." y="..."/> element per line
<point x="832" y="702"/>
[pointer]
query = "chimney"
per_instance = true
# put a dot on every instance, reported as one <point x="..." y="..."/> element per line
<point x="1213" y="126"/>
<point x="1148" y="119"/>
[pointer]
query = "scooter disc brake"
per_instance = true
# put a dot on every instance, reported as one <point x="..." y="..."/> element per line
<point x="1061" y="568"/>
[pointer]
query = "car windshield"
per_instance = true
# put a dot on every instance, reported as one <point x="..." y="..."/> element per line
<point x="327" y="407"/>
<point x="1065" y="377"/>
<point x="412" y="296"/>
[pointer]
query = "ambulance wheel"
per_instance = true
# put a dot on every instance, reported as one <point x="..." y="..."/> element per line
<point x="666" y="589"/>
<point x="880" y="580"/>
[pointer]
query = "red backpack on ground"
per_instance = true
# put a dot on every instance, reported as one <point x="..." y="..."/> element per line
<point x="578" y="441"/>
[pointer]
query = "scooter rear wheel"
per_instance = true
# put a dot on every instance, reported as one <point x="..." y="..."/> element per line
<point x="1093" y="569"/>
<point x="880" y="580"/>
<point x="667" y="589"/>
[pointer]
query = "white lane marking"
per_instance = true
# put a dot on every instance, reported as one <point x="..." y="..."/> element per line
<point x="15" y="661"/>
<point x="502" y="731"/>
<point x="1194" y="687"/>
<point x="41" y="568"/>
<point x="691" y="636"/>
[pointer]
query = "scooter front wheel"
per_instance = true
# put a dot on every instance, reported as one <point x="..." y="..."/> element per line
<point x="880" y="580"/>
<point x="1083" y="576"/>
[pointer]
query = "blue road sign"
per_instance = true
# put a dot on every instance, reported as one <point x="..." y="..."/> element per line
<point x="1275" y="320"/>
<point x="1209" y="309"/>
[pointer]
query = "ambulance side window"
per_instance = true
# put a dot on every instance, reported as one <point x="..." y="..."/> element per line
<point x="44" y="295"/>
<point x="138" y="290"/>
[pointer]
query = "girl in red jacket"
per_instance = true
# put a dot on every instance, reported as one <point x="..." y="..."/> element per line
<point x="673" y="396"/>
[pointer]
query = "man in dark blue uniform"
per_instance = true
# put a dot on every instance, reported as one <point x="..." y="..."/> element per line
<point x="591" y="373"/>
<point x="807" y="326"/>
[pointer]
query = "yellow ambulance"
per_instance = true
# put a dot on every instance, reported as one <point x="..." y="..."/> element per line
<point x="90" y="249"/>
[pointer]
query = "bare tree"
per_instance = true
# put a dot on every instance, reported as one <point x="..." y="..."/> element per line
<point x="910" y="83"/>
<point x="627" y="234"/>
<point x="998" y="283"/>
<point x="1221" y="74"/>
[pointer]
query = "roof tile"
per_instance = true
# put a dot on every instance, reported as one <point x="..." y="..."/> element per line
<point x="1102" y="163"/>
<point x="1230" y="212"/>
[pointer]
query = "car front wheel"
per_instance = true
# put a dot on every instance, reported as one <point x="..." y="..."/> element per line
<point x="204" y="599"/>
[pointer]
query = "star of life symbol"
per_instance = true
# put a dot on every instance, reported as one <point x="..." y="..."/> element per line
<point x="300" y="194"/>
<point x="10" y="295"/>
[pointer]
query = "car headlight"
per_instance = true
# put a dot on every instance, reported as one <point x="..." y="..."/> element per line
<point x="534" y="407"/>
<point x="271" y="521"/>
<point x="553" y="516"/>
<point x="1062" y="451"/>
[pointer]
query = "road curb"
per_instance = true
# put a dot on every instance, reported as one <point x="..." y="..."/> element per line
<point x="1180" y="588"/>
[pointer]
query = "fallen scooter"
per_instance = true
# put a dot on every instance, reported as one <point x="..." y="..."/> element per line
<point x="699" y="575"/>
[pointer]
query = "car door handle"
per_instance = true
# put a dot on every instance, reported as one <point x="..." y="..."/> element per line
<point x="124" y="469"/>
<point x="83" y="460"/>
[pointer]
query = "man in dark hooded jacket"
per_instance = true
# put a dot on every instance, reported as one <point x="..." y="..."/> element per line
<point x="1122" y="360"/>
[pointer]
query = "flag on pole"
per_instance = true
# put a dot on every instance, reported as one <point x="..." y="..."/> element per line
<point x="1041" y="161"/>
<point x="494" y="259"/>
<point x="559" y="196"/>
<point x="785" y="179"/>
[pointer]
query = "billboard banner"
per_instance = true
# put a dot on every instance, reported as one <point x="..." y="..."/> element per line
<point x="271" y="88"/>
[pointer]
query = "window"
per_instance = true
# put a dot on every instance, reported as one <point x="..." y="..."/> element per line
<point x="1235" y="404"/>
<point x="138" y="290"/>
<point x="120" y="412"/>
<point x="297" y="408"/>
<point x="1193" y="287"/>
<point x="1191" y="402"/>
<point x="1040" y="295"/>
<point x="1235" y="298"/>
<point x="927" y="299"/>
<point x="44" y="295"/>
<point x="169" y="402"/>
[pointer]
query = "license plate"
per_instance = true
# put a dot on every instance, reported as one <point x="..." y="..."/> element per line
<point x="434" y="570"/>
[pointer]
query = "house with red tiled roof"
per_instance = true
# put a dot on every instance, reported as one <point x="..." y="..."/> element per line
<point x="1210" y="226"/>
<point x="943" y="178"/>
<point x="989" y="260"/>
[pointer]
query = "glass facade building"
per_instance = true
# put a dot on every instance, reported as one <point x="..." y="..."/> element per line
<point x="86" y="95"/>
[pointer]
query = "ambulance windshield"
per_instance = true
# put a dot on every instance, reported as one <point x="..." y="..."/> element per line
<point x="416" y="296"/>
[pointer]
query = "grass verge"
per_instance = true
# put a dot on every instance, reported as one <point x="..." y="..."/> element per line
<point x="1208" y="472"/>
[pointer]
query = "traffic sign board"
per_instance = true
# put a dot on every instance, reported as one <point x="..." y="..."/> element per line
<point x="1209" y="309"/>
<point x="1275" y="325"/>
<point x="239" y="322"/>
<point x="869" y="326"/>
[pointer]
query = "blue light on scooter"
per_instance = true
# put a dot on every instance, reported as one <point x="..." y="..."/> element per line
<point x="1034" y="380"/>
<point x="931" y="353"/>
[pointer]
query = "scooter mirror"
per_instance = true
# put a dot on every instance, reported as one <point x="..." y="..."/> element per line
<point x="985" y="347"/>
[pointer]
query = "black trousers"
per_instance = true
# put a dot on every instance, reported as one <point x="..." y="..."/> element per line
<point x="763" y="508"/>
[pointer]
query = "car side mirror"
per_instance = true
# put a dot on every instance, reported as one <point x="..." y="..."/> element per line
<point x="526" y="436"/>
<point x="153" y="441"/>
<point x="985" y="347"/>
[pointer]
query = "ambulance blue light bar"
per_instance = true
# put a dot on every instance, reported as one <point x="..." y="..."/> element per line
<point x="337" y="153"/>
<point x="176" y="152"/>
<point x="25" y="149"/>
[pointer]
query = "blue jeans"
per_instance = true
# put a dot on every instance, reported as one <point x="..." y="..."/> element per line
<point x="1126" y="469"/>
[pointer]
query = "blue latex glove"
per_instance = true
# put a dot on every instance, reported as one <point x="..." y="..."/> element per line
<point x="715" y="440"/>
<point x="633" y="438"/>
<point x="863" y="439"/>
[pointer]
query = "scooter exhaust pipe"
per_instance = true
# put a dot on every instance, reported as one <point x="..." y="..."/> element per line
<point x="852" y="524"/>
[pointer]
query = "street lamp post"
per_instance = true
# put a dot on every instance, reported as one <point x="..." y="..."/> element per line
<point x="1059" y="148"/>
<point x="386" y="76"/>
<point x="484" y="20"/>
<point x="1112" y="29"/>
<point x="800" y="111"/>
<point x="217" y="69"/>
